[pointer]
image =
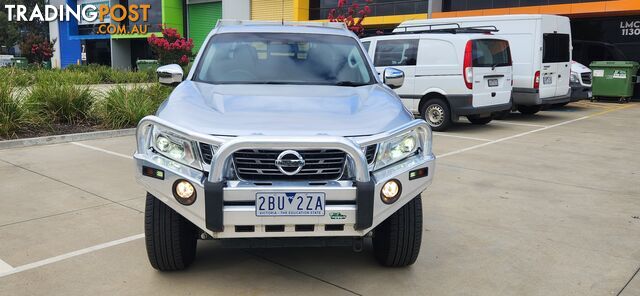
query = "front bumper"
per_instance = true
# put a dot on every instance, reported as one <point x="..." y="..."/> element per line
<point x="580" y="92"/>
<point x="225" y="208"/>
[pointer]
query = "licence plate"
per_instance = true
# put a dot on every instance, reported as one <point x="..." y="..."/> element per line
<point x="589" y="94"/>
<point x="290" y="203"/>
<point x="547" y="80"/>
<point x="493" y="82"/>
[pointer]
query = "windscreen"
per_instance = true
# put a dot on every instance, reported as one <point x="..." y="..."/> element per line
<point x="556" y="48"/>
<point x="283" y="58"/>
<point x="491" y="53"/>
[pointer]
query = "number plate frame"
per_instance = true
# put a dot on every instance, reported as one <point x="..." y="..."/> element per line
<point x="291" y="204"/>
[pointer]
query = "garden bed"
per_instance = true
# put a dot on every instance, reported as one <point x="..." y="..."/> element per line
<point x="55" y="107"/>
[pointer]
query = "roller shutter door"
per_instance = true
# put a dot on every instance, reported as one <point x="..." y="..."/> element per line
<point x="272" y="10"/>
<point x="202" y="18"/>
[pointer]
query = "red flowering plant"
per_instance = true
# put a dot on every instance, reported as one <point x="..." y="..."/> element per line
<point x="351" y="14"/>
<point x="171" y="48"/>
<point x="37" y="48"/>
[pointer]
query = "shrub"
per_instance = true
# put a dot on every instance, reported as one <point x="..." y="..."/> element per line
<point x="60" y="102"/>
<point x="13" y="115"/>
<point x="171" y="48"/>
<point x="124" y="107"/>
<point x="37" y="48"/>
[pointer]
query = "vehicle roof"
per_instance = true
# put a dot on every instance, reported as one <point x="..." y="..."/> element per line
<point x="445" y="36"/>
<point x="233" y="26"/>
<point x="480" y="18"/>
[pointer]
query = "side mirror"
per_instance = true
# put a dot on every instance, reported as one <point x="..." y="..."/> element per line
<point x="170" y="74"/>
<point x="393" y="77"/>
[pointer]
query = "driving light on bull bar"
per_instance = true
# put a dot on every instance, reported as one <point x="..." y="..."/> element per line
<point x="184" y="192"/>
<point x="390" y="191"/>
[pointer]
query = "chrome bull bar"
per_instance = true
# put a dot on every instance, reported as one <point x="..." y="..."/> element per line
<point x="221" y="163"/>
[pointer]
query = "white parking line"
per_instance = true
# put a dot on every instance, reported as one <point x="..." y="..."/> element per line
<point x="5" y="267"/>
<point x="529" y="132"/>
<point x="517" y="123"/>
<point x="460" y="137"/>
<point x="70" y="255"/>
<point x="102" y="150"/>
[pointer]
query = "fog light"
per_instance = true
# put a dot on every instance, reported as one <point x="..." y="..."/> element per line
<point x="391" y="191"/>
<point x="184" y="192"/>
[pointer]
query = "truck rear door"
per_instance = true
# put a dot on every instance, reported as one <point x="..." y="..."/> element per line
<point x="492" y="72"/>
<point x="556" y="65"/>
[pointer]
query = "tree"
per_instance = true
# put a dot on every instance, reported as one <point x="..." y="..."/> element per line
<point x="352" y="15"/>
<point x="12" y="31"/>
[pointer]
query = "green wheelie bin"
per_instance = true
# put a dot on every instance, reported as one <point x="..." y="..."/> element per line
<point x="614" y="79"/>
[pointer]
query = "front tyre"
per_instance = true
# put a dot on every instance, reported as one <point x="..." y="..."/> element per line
<point x="396" y="242"/>
<point x="170" y="238"/>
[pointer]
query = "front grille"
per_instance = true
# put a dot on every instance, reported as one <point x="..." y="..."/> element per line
<point x="205" y="151"/>
<point x="370" y="153"/>
<point x="259" y="165"/>
<point x="586" y="78"/>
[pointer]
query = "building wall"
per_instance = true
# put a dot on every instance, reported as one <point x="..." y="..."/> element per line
<point x="272" y="10"/>
<point x="202" y="18"/>
<point x="236" y="9"/>
<point x="572" y="8"/>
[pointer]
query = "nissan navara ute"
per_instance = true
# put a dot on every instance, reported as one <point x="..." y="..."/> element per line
<point x="282" y="131"/>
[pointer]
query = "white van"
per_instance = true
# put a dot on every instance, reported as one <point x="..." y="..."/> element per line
<point x="448" y="73"/>
<point x="541" y="49"/>
<point x="581" y="78"/>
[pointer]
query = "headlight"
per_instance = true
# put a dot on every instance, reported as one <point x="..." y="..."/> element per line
<point x="174" y="147"/>
<point x="401" y="147"/>
<point x="574" y="77"/>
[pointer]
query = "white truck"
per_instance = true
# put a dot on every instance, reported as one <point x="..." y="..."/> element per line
<point x="541" y="49"/>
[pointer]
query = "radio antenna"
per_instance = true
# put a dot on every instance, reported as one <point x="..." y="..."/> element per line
<point x="282" y="12"/>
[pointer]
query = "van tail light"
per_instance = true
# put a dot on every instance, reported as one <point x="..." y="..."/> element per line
<point x="467" y="68"/>
<point x="536" y="80"/>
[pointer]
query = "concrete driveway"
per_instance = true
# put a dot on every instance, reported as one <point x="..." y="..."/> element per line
<point x="533" y="205"/>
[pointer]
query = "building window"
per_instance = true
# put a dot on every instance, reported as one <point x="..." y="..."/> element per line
<point x="396" y="53"/>
<point x="319" y="9"/>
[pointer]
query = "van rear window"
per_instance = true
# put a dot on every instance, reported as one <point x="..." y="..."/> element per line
<point x="491" y="53"/>
<point x="556" y="48"/>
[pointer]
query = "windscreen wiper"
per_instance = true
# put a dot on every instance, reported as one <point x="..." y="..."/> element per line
<point x="350" y="83"/>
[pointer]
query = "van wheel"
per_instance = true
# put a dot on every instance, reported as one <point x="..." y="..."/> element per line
<point x="437" y="114"/>
<point x="479" y="120"/>
<point x="171" y="239"/>
<point x="396" y="242"/>
<point x="529" y="110"/>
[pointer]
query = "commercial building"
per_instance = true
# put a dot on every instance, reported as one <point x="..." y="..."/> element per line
<point x="83" y="43"/>
<point x="602" y="29"/>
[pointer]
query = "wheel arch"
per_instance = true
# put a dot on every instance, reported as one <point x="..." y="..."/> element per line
<point x="434" y="94"/>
